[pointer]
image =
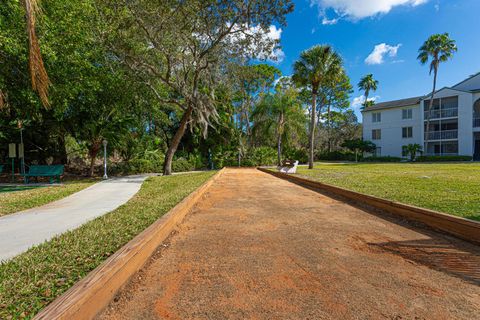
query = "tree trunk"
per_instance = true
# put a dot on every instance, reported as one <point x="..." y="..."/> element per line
<point x="329" y="129"/>
<point x="430" y="105"/>
<point x="279" y="138"/>
<point x="167" y="165"/>
<point x="93" y="152"/>
<point x="313" y="122"/>
<point x="365" y="104"/>
<point x="61" y="156"/>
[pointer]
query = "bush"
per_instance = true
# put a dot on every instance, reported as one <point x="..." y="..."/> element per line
<point x="182" y="164"/>
<point x="382" y="159"/>
<point x="136" y="166"/>
<point x="297" y="154"/>
<point x="254" y="157"/>
<point x="443" y="158"/>
<point x="338" y="156"/>
<point x="262" y="156"/>
<point x="155" y="165"/>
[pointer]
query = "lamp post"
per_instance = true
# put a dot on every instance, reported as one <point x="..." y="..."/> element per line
<point x="105" y="142"/>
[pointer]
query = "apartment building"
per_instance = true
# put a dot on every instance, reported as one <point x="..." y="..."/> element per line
<point x="454" y="127"/>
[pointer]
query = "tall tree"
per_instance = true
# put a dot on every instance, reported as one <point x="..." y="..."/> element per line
<point x="337" y="98"/>
<point x="280" y="112"/>
<point x="367" y="84"/>
<point x="313" y="69"/>
<point x="250" y="81"/>
<point x="185" y="47"/>
<point x="437" y="48"/>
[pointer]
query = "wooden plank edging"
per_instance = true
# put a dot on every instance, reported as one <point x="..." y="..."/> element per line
<point x="465" y="229"/>
<point x="94" y="292"/>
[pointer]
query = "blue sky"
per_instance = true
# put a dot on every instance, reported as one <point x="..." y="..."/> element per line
<point x="398" y="27"/>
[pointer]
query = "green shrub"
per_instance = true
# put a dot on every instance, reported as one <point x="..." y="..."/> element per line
<point x="337" y="156"/>
<point x="154" y="164"/>
<point x="443" y="158"/>
<point x="136" y="166"/>
<point x="297" y="154"/>
<point x="182" y="165"/>
<point x="262" y="156"/>
<point x="382" y="159"/>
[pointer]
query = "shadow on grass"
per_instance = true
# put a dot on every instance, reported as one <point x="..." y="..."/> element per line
<point x="439" y="254"/>
<point x="4" y="189"/>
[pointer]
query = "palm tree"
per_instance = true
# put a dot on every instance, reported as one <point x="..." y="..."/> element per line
<point x="312" y="70"/>
<point x="412" y="150"/>
<point x="281" y="114"/>
<point x="438" y="48"/>
<point x="38" y="74"/>
<point x="367" y="84"/>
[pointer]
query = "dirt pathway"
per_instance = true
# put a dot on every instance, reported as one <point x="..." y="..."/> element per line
<point x="258" y="247"/>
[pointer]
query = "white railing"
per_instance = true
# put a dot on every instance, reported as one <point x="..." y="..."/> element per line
<point x="445" y="113"/>
<point x="442" y="135"/>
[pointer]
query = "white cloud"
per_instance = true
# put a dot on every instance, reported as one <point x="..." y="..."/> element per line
<point x="359" y="9"/>
<point x="275" y="34"/>
<point x="277" y="56"/>
<point x="327" y="22"/>
<point x="358" y="102"/>
<point x="380" y="51"/>
<point x="271" y="36"/>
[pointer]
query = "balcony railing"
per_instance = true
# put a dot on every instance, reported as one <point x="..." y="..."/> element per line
<point x="442" y="135"/>
<point x="476" y="122"/>
<point x="445" y="113"/>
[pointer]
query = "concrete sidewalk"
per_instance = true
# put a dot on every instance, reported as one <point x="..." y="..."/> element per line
<point x="22" y="230"/>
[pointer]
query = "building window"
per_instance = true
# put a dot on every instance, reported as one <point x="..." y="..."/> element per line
<point x="407" y="114"/>
<point x="407" y="132"/>
<point x="376" y="117"/>
<point x="376" y="134"/>
<point x="378" y="152"/>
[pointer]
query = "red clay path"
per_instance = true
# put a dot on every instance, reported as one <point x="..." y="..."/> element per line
<point x="257" y="247"/>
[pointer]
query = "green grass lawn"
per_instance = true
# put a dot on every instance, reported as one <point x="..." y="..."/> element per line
<point x="447" y="187"/>
<point x="33" y="279"/>
<point x="13" y="199"/>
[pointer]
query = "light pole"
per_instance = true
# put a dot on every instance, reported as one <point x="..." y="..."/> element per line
<point x="105" y="142"/>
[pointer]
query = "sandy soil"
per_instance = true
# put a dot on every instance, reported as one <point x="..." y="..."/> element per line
<point x="257" y="247"/>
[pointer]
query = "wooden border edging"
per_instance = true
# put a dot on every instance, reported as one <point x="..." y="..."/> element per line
<point x="465" y="229"/>
<point x="94" y="292"/>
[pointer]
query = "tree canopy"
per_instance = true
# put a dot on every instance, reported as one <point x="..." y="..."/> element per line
<point x="170" y="85"/>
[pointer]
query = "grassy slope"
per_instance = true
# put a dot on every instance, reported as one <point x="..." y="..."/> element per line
<point x="448" y="187"/>
<point x="11" y="202"/>
<point x="35" y="278"/>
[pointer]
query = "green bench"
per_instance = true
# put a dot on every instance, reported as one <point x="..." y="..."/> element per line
<point x="52" y="172"/>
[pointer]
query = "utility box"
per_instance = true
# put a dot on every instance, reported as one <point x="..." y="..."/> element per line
<point x="12" y="150"/>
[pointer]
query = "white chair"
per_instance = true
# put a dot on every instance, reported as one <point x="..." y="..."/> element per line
<point x="288" y="167"/>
